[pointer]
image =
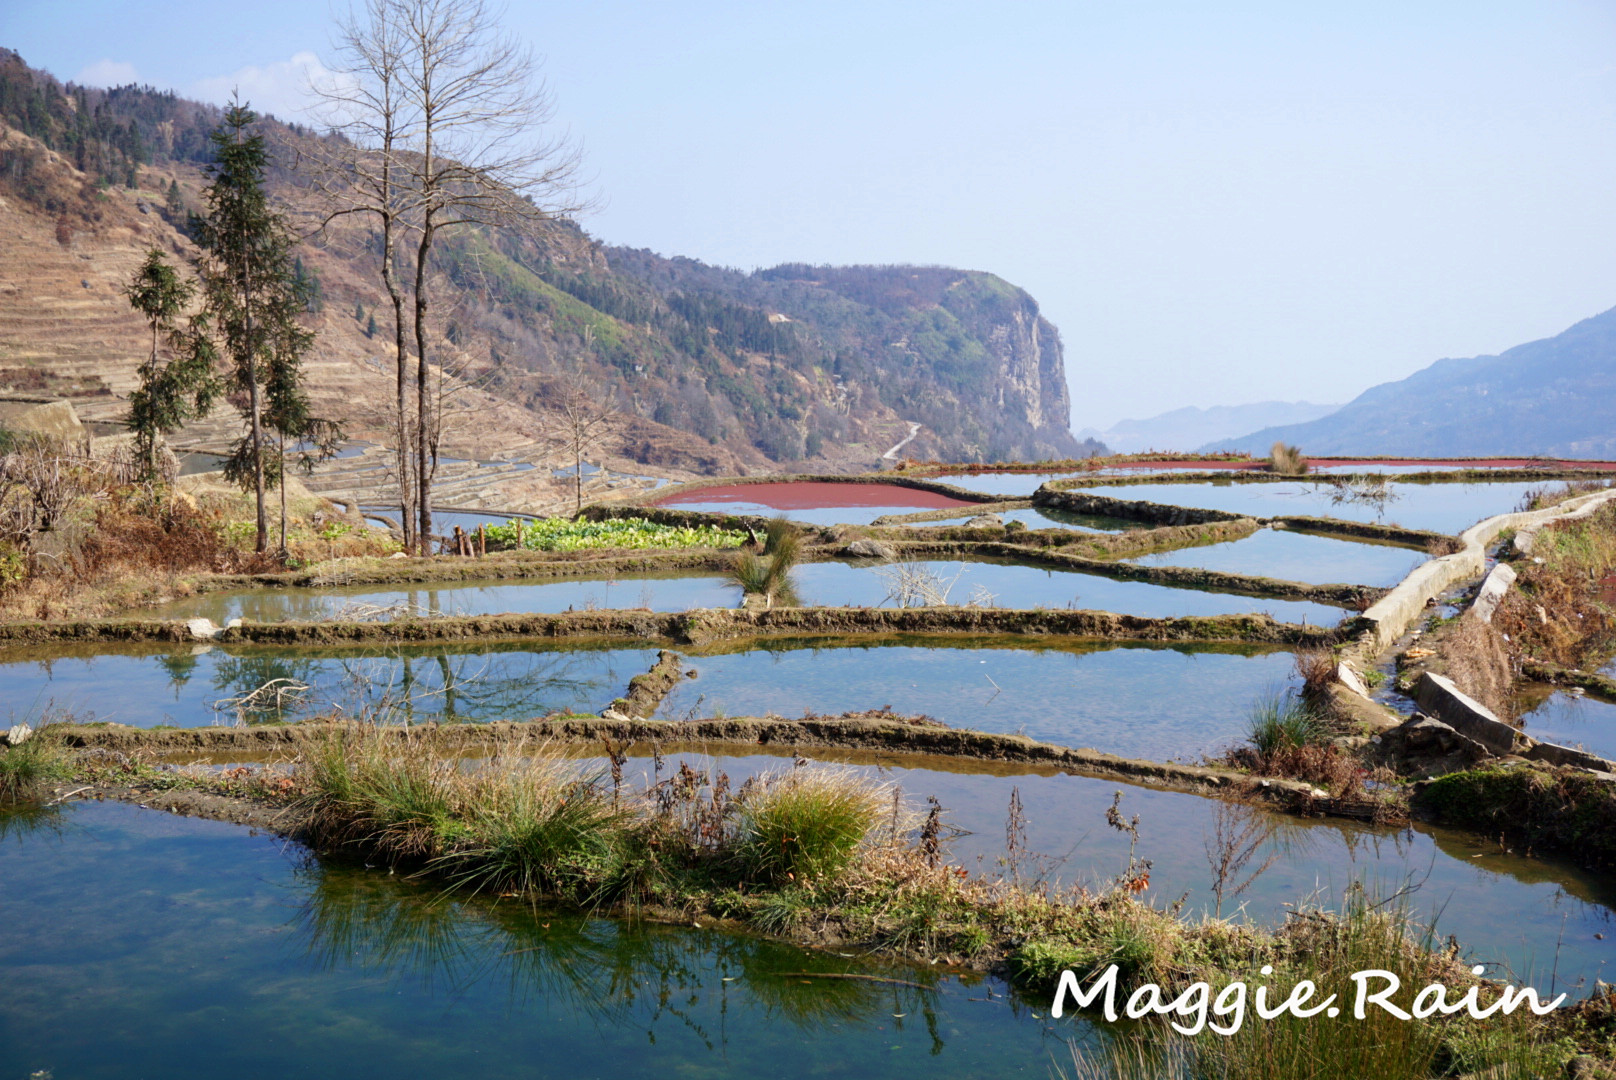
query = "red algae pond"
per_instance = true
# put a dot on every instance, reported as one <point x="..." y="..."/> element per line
<point x="813" y="502"/>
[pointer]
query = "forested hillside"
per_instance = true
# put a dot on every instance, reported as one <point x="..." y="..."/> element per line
<point x="792" y="364"/>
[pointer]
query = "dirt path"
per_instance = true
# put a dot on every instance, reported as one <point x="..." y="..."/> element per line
<point x="892" y="455"/>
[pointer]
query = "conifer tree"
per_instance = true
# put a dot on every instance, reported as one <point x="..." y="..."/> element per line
<point x="251" y="293"/>
<point x="169" y="393"/>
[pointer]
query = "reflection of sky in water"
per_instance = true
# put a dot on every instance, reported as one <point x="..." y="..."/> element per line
<point x="1445" y="508"/>
<point x="197" y="689"/>
<point x="1576" y="721"/>
<point x="838" y="584"/>
<point x="1149" y="702"/>
<point x="1287" y="555"/>
<point x="828" y="584"/>
<point x="194" y="949"/>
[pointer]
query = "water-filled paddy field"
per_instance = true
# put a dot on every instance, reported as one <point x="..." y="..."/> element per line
<point x="1569" y="719"/>
<point x="824" y="584"/>
<point x="814" y="503"/>
<point x="198" y="686"/>
<point x="193" y="949"/>
<point x="1288" y="555"/>
<point x="1437" y="507"/>
<point x="1127" y="698"/>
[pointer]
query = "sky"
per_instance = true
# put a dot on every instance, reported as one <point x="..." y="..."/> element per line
<point x="1216" y="203"/>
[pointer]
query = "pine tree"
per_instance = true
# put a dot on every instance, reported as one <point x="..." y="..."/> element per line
<point x="174" y="203"/>
<point x="370" y="327"/>
<point x="286" y="403"/>
<point x="169" y="393"/>
<point x="251" y="293"/>
<point x="359" y="311"/>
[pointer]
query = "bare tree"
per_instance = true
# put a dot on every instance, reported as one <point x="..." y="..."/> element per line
<point x="361" y="174"/>
<point x="446" y="113"/>
<point x="477" y="101"/>
<point x="583" y="417"/>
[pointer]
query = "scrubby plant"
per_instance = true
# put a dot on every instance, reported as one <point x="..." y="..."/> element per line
<point x="1287" y="460"/>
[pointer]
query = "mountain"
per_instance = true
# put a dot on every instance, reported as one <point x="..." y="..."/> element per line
<point x="1188" y="428"/>
<point x="715" y="369"/>
<point x="1552" y="397"/>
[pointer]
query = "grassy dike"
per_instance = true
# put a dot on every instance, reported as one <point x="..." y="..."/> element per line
<point x="827" y="857"/>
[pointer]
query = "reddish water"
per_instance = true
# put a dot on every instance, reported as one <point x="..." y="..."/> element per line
<point x="814" y="496"/>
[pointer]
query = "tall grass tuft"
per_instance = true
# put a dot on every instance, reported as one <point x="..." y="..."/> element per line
<point x="1285" y="721"/>
<point x="1287" y="460"/>
<point x="807" y="823"/>
<point x="770" y="575"/>
<point x="540" y="824"/>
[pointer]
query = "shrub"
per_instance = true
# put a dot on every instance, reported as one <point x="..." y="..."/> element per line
<point x="1287" y="460"/>
<point x="807" y="823"/>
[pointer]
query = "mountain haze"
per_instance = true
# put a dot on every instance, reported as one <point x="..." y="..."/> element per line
<point x="1553" y="397"/>
<point x="1188" y="428"/>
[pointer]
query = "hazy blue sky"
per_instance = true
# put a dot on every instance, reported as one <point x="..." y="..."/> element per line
<point x="1216" y="203"/>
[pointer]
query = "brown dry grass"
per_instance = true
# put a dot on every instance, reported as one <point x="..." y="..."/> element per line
<point x="1478" y="658"/>
<point x="1561" y="609"/>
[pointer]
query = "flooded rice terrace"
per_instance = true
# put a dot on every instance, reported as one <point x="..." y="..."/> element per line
<point x="198" y="948"/>
<point x="823" y="584"/>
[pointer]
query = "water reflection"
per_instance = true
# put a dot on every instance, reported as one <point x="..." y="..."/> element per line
<point x="616" y="975"/>
<point x="195" y="949"/>
<point x="225" y="685"/>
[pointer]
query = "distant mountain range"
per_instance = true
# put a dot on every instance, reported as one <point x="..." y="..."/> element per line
<point x="1554" y="397"/>
<point x="1189" y="428"/>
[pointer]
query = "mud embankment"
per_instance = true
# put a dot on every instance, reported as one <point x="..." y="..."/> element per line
<point x="692" y="627"/>
<point x="645" y="692"/>
<point x="1083" y="502"/>
<point x="736" y="736"/>
<point x="1182" y="577"/>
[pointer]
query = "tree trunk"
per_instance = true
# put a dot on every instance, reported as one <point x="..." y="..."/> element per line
<point x="401" y="373"/>
<point x="423" y="475"/>
<point x="283" y="493"/>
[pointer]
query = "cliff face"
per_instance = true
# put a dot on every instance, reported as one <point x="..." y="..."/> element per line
<point x="797" y="366"/>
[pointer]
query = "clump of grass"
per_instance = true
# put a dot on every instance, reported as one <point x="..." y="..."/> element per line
<point x="25" y="769"/>
<point x="1287" y="460"/>
<point x="539" y="825"/>
<point x="1285" y="721"/>
<point x="1289" y="736"/>
<point x="769" y="576"/>
<point x="806" y="824"/>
